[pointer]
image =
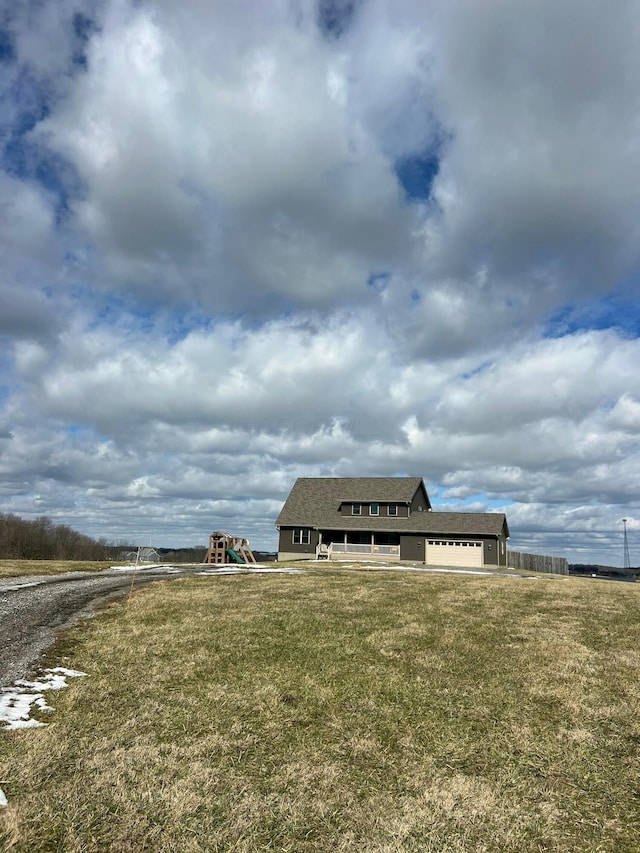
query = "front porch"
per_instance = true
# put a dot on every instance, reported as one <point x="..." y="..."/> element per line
<point x="343" y="545"/>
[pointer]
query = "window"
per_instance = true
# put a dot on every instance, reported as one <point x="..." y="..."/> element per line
<point x="374" y="509"/>
<point x="301" y="537"/>
<point x="356" y="509"/>
<point x="392" y="509"/>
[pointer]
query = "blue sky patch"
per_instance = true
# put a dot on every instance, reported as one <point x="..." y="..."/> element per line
<point x="181" y="326"/>
<point x="459" y="504"/>
<point x="84" y="27"/>
<point x="609" y="312"/>
<point x="5" y="391"/>
<point x="7" y="49"/>
<point x="378" y="281"/>
<point x="417" y="174"/>
<point x="486" y="365"/>
<point x="335" y="16"/>
<point x="25" y="158"/>
<point x="113" y="311"/>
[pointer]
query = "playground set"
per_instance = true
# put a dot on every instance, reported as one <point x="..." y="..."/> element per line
<point x="223" y="547"/>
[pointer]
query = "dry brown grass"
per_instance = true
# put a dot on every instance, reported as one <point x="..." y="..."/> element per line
<point x="373" y="712"/>
<point x="18" y="568"/>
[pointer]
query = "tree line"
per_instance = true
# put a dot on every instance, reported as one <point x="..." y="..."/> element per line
<point x="41" y="539"/>
<point x="585" y="569"/>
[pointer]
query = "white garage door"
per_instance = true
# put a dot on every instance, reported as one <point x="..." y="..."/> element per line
<point x="442" y="552"/>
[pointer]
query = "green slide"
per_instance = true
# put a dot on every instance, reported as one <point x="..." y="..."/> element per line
<point x="234" y="556"/>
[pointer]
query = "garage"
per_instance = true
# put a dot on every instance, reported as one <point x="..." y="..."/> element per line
<point x="451" y="553"/>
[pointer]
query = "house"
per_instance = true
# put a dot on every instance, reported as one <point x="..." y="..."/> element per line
<point x="387" y="518"/>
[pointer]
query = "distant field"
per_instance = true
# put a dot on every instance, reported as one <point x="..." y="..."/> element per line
<point x="371" y="712"/>
<point x="18" y="568"/>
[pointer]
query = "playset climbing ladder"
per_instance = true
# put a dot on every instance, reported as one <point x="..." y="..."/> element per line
<point x="224" y="548"/>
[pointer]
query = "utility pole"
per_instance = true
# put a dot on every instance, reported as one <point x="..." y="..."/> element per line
<point x="627" y="561"/>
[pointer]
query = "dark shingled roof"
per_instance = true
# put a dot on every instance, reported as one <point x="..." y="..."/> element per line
<point x="466" y="523"/>
<point x="320" y="497"/>
<point x="315" y="502"/>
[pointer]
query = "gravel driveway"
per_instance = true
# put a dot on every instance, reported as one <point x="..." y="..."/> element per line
<point x="33" y="608"/>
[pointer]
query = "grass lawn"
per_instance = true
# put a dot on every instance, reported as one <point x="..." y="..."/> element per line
<point x="340" y="712"/>
<point x="18" y="568"/>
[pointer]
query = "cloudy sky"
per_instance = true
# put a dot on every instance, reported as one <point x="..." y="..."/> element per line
<point x="243" y="242"/>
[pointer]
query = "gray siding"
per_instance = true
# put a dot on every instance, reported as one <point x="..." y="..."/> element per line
<point x="287" y="544"/>
<point x="502" y="546"/>
<point x="420" y="499"/>
<point x="403" y="511"/>
<point x="346" y="510"/>
<point x="412" y="548"/>
<point x="490" y="552"/>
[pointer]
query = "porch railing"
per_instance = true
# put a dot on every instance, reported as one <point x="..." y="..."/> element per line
<point x="378" y="550"/>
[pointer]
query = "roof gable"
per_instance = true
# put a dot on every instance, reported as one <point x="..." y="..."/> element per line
<point x="316" y="500"/>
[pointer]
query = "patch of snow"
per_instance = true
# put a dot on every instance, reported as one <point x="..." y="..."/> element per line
<point x="284" y="570"/>
<point x="442" y="569"/>
<point x="248" y="569"/>
<point x="68" y="673"/>
<point x="8" y="587"/>
<point x="3" y="799"/>
<point x="56" y="682"/>
<point x="16" y="702"/>
<point x="24" y="724"/>
<point x="223" y="570"/>
<point x="15" y="706"/>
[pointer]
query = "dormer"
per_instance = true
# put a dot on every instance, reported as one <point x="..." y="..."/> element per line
<point x="375" y="509"/>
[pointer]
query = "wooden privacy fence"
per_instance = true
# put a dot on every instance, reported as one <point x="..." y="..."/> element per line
<point x="538" y="563"/>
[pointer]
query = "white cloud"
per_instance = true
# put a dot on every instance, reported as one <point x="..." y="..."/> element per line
<point x="542" y="104"/>
<point x="237" y="414"/>
<point x="213" y="281"/>
<point x="242" y="168"/>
